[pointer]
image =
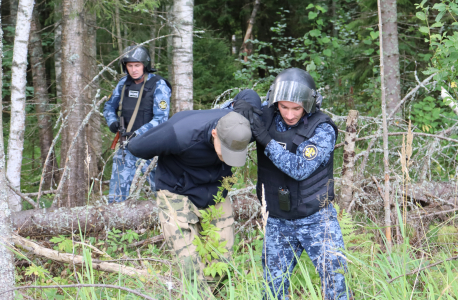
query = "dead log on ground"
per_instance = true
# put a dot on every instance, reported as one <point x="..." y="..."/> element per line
<point x="130" y="214"/>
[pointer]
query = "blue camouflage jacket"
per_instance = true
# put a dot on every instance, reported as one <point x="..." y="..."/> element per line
<point x="162" y="93"/>
<point x="294" y="164"/>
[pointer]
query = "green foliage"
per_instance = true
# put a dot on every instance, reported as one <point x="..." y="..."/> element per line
<point x="63" y="243"/>
<point x="130" y="236"/>
<point x="213" y="69"/>
<point x="208" y="245"/>
<point x="38" y="271"/>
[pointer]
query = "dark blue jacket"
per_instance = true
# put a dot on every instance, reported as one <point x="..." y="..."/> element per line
<point x="188" y="164"/>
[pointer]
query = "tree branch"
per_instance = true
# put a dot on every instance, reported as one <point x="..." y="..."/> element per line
<point x="33" y="203"/>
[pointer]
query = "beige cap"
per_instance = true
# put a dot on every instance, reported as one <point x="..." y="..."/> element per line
<point x="234" y="132"/>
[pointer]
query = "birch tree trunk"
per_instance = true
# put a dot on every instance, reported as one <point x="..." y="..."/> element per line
<point x="385" y="135"/>
<point x="42" y="101"/>
<point x="391" y="53"/>
<point x="57" y="49"/>
<point x="6" y="257"/>
<point x="73" y="181"/>
<point x="182" y="59"/>
<point x="18" y="83"/>
<point x="93" y="130"/>
<point x="245" y="48"/>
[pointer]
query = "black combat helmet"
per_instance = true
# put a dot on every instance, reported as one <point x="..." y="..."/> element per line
<point x="295" y="85"/>
<point x="136" y="54"/>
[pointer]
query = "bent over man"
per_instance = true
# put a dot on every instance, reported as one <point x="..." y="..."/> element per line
<point x="295" y="151"/>
<point x="196" y="150"/>
<point x="142" y="100"/>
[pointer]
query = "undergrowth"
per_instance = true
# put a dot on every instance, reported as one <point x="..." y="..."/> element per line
<point x="373" y="273"/>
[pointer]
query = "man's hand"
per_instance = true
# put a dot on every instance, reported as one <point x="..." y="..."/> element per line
<point x="245" y="109"/>
<point x="114" y="127"/>
<point x="128" y="135"/>
<point x="259" y="131"/>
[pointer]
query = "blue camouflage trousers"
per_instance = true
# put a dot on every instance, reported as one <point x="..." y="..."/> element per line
<point x="320" y="236"/>
<point x="123" y="173"/>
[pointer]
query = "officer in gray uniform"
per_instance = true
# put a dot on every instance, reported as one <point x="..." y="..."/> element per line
<point x="295" y="147"/>
<point x="142" y="99"/>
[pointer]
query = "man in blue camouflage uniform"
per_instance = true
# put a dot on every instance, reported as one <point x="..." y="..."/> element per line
<point x="153" y="110"/>
<point x="295" y="145"/>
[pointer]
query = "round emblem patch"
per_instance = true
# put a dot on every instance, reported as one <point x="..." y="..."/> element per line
<point x="163" y="105"/>
<point x="310" y="152"/>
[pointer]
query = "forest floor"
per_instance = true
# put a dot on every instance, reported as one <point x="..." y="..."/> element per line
<point x="421" y="264"/>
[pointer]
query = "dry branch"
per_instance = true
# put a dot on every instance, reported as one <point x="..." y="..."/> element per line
<point x="33" y="203"/>
<point x="70" y="258"/>
<point x="402" y="133"/>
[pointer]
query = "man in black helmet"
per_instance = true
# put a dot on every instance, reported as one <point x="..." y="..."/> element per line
<point x="295" y="148"/>
<point x="142" y="100"/>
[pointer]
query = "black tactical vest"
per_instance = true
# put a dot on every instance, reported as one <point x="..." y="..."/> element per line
<point x="145" y="111"/>
<point x="306" y="196"/>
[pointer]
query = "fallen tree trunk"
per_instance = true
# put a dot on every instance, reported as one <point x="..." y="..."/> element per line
<point x="91" y="219"/>
<point x="131" y="214"/>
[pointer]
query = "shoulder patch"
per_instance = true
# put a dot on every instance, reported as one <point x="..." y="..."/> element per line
<point x="163" y="105"/>
<point x="310" y="152"/>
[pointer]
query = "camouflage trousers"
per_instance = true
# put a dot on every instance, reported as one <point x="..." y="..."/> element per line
<point x="320" y="236"/>
<point x="123" y="173"/>
<point x="180" y="220"/>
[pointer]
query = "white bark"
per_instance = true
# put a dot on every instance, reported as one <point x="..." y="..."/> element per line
<point x="6" y="257"/>
<point x="386" y="199"/>
<point x="182" y="59"/>
<point x="18" y="83"/>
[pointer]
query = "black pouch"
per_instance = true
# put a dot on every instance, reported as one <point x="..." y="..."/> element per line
<point x="284" y="199"/>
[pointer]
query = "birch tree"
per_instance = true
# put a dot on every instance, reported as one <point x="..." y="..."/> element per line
<point x="182" y="58"/>
<point x="391" y="53"/>
<point x="41" y="99"/>
<point x="18" y="83"/>
<point x="6" y="257"/>
<point x="73" y="181"/>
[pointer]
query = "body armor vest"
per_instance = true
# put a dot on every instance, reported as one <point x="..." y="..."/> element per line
<point x="145" y="111"/>
<point x="306" y="196"/>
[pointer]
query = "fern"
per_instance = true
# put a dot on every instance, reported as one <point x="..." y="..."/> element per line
<point x="350" y="235"/>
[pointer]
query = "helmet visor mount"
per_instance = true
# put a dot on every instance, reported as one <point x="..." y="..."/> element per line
<point x="293" y="91"/>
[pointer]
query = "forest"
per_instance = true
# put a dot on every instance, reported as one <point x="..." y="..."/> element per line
<point x="387" y="71"/>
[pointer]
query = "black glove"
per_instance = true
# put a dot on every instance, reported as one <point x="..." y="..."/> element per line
<point x="114" y="127"/>
<point x="245" y="109"/>
<point x="129" y="135"/>
<point x="259" y="131"/>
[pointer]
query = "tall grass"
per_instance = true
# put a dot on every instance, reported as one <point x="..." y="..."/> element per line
<point x="373" y="273"/>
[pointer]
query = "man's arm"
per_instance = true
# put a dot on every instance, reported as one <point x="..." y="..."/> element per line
<point x="309" y="154"/>
<point x="159" y="140"/>
<point x="111" y="106"/>
<point x="161" y="107"/>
